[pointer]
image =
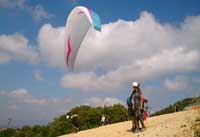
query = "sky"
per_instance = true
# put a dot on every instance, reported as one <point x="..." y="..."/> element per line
<point x="151" y="41"/>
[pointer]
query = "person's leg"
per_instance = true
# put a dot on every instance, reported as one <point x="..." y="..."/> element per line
<point x="133" y="123"/>
<point x="136" y="120"/>
<point x="133" y="119"/>
<point x="73" y="128"/>
<point x="142" y="122"/>
<point x="141" y="118"/>
<point x="75" y="124"/>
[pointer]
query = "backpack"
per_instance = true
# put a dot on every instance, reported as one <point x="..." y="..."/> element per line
<point x="129" y="104"/>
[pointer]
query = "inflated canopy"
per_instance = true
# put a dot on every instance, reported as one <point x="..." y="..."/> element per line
<point x="78" y="23"/>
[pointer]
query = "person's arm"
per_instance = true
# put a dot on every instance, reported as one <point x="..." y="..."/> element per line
<point x="141" y="100"/>
<point x="131" y="94"/>
<point x="132" y="102"/>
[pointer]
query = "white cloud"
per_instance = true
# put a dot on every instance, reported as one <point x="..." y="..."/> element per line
<point x="108" y="101"/>
<point x="29" y="109"/>
<point x="12" y="3"/>
<point x="39" y="13"/>
<point x="4" y="58"/>
<point x="15" y="93"/>
<point x="36" y="101"/>
<point x="37" y="75"/>
<point x="164" y="63"/>
<point x="139" y="50"/>
<point x="15" y="47"/>
<point x="19" y="93"/>
<point x="86" y="81"/>
<point x="23" y="96"/>
<point x="111" y="101"/>
<point x="67" y="101"/>
<point x="124" y="50"/>
<point x="121" y="43"/>
<point x="177" y="84"/>
<point x="51" y="45"/>
<point x="94" y="101"/>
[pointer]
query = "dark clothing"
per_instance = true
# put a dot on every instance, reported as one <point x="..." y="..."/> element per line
<point x="74" y="120"/>
<point x="136" y="101"/>
<point x="131" y="112"/>
<point x="139" y="118"/>
<point x="130" y="104"/>
<point x="176" y="108"/>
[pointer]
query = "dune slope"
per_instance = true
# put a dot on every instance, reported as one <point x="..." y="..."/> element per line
<point x="170" y="125"/>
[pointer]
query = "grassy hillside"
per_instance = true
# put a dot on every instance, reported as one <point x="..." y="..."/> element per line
<point x="88" y="117"/>
<point x="196" y="126"/>
<point x="180" y="104"/>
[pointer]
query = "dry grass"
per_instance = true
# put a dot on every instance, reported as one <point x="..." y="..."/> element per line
<point x="197" y="126"/>
<point x="170" y="125"/>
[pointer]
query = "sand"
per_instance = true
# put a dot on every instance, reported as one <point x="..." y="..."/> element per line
<point x="170" y="125"/>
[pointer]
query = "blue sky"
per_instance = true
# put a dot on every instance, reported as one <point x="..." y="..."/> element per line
<point x="154" y="42"/>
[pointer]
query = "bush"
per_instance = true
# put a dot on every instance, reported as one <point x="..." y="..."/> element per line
<point x="88" y="117"/>
<point x="181" y="105"/>
<point x="8" y="133"/>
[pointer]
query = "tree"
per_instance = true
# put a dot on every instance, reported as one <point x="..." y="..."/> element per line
<point x="8" y="133"/>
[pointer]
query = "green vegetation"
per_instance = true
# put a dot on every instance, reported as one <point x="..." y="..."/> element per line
<point x="88" y="117"/>
<point x="180" y="104"/>
<point x="8" y="132"/>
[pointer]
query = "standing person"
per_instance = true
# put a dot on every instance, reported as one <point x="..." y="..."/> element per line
<point x="145" y="109"/>
<point x="176" y="108"/>
<point x="103" y="120"/>
<point x="74" y="121"/>
<point x="136" y="98"/>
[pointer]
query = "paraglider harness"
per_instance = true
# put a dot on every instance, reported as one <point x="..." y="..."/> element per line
<point x="145" y="108"/>
<point x="130" y="106"/>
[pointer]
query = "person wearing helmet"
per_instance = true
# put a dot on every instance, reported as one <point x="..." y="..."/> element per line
<point x="74" y="120"/>
<point x="103" y="120"/>
<point x="136" y="98"/>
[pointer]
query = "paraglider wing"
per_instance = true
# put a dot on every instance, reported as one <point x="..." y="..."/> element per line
<point x="78" y="23"/>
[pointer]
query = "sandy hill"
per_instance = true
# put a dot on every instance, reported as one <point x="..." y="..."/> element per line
<point x="170" y="125"/>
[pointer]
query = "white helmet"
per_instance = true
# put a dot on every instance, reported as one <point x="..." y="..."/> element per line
<point x="135" y="84"/>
